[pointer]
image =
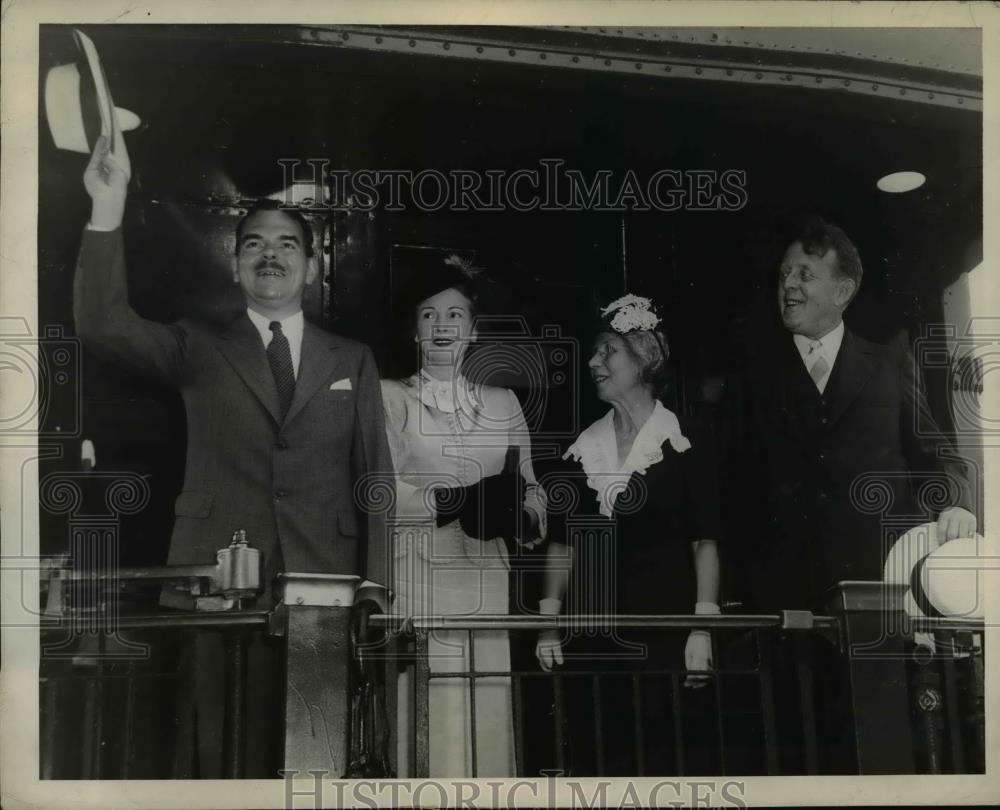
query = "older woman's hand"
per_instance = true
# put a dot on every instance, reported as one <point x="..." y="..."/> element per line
<point x="548" y="650"/>
<point x="698" y="657"/>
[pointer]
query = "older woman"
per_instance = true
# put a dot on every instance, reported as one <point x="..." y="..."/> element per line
<point x="633" y="530"/>
<point x="464" y="483"/>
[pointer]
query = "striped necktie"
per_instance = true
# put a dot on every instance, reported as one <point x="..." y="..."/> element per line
<point x="816" y="363"/>
<point x="279" y="355"/>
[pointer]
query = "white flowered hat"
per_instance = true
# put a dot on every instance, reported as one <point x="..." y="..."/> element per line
<point x="631" y="313"/>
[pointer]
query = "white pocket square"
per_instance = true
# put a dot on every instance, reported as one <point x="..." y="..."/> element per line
<point x="342" y="385"/>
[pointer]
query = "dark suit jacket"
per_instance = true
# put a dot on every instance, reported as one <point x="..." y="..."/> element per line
<point x="290" y="483"/>
<point x="838" y="476"/>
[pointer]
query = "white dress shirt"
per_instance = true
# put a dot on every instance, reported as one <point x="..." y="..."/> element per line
<point x="829" y="346"/>
<point x="292" y="327"/>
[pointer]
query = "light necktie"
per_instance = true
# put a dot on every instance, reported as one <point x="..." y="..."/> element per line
<point x="279" y="355"/>
<point x="816" y="363"/>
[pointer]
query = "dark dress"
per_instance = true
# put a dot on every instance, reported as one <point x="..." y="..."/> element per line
<point x="637" y="561"/>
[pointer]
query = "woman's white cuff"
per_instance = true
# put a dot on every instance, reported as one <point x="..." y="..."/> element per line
<point x="550" y="606"/>
<point x="706" y="609"/>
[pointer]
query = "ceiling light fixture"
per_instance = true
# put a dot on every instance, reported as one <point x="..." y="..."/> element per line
<point x="898" y="182"/>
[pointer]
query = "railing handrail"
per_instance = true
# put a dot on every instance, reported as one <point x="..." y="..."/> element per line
<point x="207" y="619"/>
<point x="788" y="620"/>
<point x="680" y="621"/>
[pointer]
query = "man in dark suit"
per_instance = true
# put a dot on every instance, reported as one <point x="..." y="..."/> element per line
<point x="284" y="420"/>
<point x="840" y="448"/>
<point x="843" y="436"/>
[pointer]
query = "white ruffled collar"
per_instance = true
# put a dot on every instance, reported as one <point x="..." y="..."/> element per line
<point x="596" y="450"/>
<point x="447" y="396"/>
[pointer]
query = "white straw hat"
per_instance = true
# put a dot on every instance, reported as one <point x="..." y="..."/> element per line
<point x="944" y="579"/>
<point x="79" y="107"/>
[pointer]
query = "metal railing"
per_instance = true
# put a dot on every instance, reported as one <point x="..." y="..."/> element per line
<point x="134" y="686"/>
<point x="906" y="709"/>
<point x="933" y="723"/>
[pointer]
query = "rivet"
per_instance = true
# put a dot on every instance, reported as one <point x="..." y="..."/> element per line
<point x="638" y="65"/>
<point x="378" y="40"/>
<point x="542" y="56"/>
<point x="847" y="82"/>
<point x="479" y="49"/>
<point x="961" y="101"/>
<point x="930" y="95"/>
<point x="788" y="77"/>
<point x="345" y="36"/>
<point x="698" y="71"/>
<point x="902" y="91"/>
<point x="667" y="69"/>
<point x="412" y="43"/>
<point x="447" y="46"/>
<point x="576" y="59"/>
<point x="729" y="72"/>
<point x="607" y="63"/>
<point x="760" y="75"/>
<point x="512" y="52"/>
<point x="819" y="80"/>
<point x="874" y="87"/>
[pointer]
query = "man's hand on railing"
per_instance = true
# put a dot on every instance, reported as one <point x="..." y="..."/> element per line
<point x="698" y="657"/>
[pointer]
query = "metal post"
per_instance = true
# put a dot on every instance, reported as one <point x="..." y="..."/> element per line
<point x="317" y="616"/>
<point x="559" y="704"/>
<point x="234" y="719"/>
<point x="129" y="729"/>
<point x="49" y="687"/>
<point x="598" y="723"/>
<point x="421" y="724"/>
<point x="91" y="731"/>
<point x="767" y="707"/>
<point x="874" y="677"/>
<point x="976" y="713"/>
<point x="807" y="700"/>
<point x="640" y="752"/>
<point x="953" y="715"/>
<point x="518" y="704"/>
<point x="929" y="715"/>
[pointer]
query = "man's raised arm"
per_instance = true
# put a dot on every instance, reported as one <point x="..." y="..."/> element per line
<point x="104" y="320"/>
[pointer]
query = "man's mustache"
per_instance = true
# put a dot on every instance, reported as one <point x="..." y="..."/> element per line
<point x="264" y="264"/>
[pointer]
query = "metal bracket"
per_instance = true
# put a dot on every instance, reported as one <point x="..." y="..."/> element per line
<point x="317" y="590"/>
<point x="797" y="620"/>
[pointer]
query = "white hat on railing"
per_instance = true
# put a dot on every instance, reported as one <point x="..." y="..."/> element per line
<point x="79" y="107"/>
<point x="944" y="579"/>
